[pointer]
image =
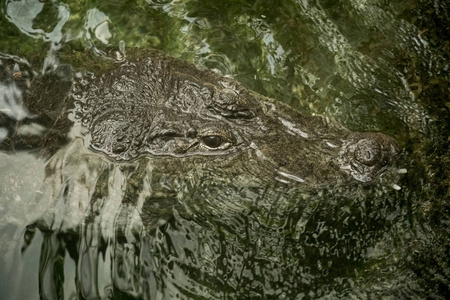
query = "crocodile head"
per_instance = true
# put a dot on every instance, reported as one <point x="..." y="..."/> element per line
<point x="160" y="108"/>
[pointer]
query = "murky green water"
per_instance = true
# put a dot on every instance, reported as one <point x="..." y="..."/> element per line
<point x="372" y="65"/>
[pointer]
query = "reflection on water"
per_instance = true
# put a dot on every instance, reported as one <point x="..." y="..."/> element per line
<point x="77" y="226"/>
<point x="236" y="241"/>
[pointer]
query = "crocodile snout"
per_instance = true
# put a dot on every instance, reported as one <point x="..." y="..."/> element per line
<point x="366" y="155"/>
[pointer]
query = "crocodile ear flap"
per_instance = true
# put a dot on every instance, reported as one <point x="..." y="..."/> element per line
<point x="231" y="114"/>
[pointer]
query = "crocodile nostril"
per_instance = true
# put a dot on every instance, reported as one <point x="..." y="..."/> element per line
<point x="367" y="152"/>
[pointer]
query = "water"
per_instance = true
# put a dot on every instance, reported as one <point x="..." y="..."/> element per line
<point x="370" y="65"/>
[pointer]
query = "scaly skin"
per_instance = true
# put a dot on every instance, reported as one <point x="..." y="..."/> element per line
<point x="169" y="111"/>
<point x="158" y="106"/>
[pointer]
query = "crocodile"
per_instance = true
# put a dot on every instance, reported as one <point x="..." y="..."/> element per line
<point x="139" y="142"/>
<point x="156" y="106"/>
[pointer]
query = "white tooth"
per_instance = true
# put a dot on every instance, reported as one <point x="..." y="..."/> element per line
<point x="402" y="171"/>
<point x="396" y="187"/>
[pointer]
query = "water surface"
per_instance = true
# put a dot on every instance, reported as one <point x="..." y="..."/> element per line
<point x="371" y="65"/>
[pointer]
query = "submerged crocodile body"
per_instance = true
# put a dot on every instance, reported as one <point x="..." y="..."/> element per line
<point x="156" y="106"/>
<point x="150" y="139"/>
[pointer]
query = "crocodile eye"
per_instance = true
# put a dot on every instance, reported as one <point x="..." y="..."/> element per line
<point x="367" y="152"/>
<point x="214" y="138"/>
<point x="212" y="141"/>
